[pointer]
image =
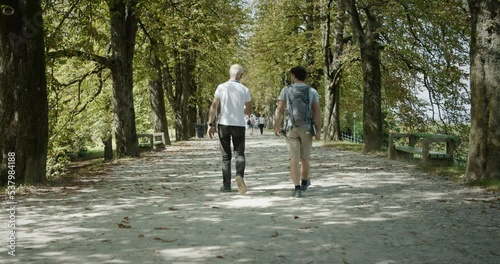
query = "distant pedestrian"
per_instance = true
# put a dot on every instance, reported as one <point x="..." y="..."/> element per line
<point x="303" y="122"/>
<point x="247" y="121"/>
<point x="262" y="120"/>
<point x="235" y="101"/>
<point x="252" y="123"/>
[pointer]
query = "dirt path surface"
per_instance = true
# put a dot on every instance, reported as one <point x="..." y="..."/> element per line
<point x="166" y="208"/>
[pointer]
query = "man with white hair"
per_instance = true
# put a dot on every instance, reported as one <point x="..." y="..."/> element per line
<point x="235" y="102"/>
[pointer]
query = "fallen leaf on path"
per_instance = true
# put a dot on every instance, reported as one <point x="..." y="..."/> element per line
<point x="165" y="240"/>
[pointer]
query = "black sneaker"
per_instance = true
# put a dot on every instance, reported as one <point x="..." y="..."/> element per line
<point x="224" y="188"/>
<point x="304" y="187"/>
<point x="297" y="193"/>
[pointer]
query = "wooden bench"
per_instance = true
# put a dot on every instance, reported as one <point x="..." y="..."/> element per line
<point x="429" y="157"/>
<point x="152" y="139"/>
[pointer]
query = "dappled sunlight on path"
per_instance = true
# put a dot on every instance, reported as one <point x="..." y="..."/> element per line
<point x="166" y="208"/>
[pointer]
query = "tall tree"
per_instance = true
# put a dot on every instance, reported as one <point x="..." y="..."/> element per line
<point x="368" y="41"/>
<point x="123" y="33"/>
<point x="332" y="66"/>
<point x="23" y="91"/>
<point x="194" y="36"/>
<point x="484" y="146"/>
<point x="184" y="89"/>
<point x="157" y="98"/>
<point x="123" y="27"/>
<point x="285" y="34"/>
<point x="156" y="81"/>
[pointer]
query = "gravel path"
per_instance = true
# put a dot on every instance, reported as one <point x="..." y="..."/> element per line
<point x="166" y="208"/>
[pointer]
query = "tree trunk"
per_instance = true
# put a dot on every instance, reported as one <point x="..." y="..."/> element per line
<point x="368" y="39"/>
<point x="484" y="144"/>
<point x="157" y="96"/>
<point x="184" y="88"/>
<point x="123" y="33"/>
<point x="178" y="100"/>
<point x="332" y="70"/>
<point x="193" y="114"/>
<point x="169" y="91"/>
<point x="108" y="148"/>
<point x="187" y="125"/>
<point x="23" y="92"/>
<point x="309" y="22"/>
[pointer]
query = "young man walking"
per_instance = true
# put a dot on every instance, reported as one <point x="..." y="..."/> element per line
<point x="303" y="123"/>
<point x="235" y="102"/>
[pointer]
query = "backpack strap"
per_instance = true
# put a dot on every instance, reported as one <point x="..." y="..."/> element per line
<point x="289" y="106"/>
<point x="309" y="105"/>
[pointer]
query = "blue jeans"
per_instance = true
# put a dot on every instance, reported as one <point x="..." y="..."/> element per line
<point x="237" y="135"/>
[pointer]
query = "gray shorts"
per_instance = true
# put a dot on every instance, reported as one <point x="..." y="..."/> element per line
<point x="299" y="141"/>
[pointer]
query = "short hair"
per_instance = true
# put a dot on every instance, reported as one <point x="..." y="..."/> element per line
<point x="299" y="72"/>
<point x="235" y="70"/>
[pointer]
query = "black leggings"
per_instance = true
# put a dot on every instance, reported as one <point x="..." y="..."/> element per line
<point x="235" y="134"/>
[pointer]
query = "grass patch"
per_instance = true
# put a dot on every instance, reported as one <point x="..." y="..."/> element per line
<point x="78" y="172"/>
<point x="344" y="145"/>
<point x="447" y="172"/>
<point x="490" y="185"/>
<point x="75" y="172"/>
<point x="354" y="147"/>
<point x="89" y="155"/>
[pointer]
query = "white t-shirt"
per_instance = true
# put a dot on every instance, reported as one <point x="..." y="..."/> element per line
<point x="261" y="120"/>
<point x="233" y="95"/>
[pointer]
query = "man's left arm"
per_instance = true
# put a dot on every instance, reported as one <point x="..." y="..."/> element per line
<point x="317" y="119"/>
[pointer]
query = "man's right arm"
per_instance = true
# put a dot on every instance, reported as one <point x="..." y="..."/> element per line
<point x="248" y="108"/>
<point x="278" y="117"/>
<point x="211" y="117"/>
<point x="213" y="110"/>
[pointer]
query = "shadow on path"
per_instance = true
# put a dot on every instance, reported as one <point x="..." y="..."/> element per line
<point x="166" y="208"/>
